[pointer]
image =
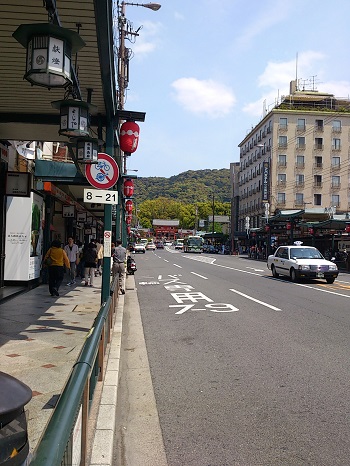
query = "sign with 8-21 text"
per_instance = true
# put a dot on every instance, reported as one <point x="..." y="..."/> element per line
<point x="100" y="196"/>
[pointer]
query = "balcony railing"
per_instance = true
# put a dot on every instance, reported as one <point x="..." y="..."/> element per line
<point x="300" y="165"/>
<point x="317" y="184"/>
<point x="336" y="147"/>
<point x="301" y="128"/>
<point x="318" y="146"/>
<point x="335" y="166"/>
<point x="301" y="146"/>
<point x="318" y="165"/>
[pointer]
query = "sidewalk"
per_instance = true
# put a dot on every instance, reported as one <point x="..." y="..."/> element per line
<point x="40" y="340"/>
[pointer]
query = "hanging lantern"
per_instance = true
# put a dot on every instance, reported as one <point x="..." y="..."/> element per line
<point x="129" y="137"/>
<point x="74" y="117"/>
<point x="128" y="230"/>
<point x="311" y="231"/>
<point x="267" y="227"/>
<point x="49" y="51"/>
<point x="128" y="205"/>
<point x="128" y="220"/>
<point x="128" y="187"/>
<point x="87" y="150"/>
<point x="347" y="228"/>
<point x="289" y="226"/>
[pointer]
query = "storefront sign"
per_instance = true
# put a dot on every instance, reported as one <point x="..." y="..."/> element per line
<point x="68" y="211"/>
<point x="265" y="181"/>
<point x="18" y="184"/>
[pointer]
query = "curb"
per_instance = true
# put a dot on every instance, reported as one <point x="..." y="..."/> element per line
<point x="102" y="449"/>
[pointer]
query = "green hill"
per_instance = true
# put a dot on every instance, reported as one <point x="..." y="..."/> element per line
<point x="187" y="187"/>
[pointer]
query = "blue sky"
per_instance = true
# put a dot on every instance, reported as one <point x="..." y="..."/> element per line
<point x="202" y="69"/>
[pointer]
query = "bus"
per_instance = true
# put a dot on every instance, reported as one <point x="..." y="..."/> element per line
<point x="193" y="244"/>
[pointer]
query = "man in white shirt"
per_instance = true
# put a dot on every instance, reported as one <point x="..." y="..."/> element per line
<point x="72" y="251"/>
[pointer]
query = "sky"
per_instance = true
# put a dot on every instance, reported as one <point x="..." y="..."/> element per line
<point x="203" y="70"/>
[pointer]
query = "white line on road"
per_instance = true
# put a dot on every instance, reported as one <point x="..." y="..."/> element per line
<point x="255" y="270"/>
<point x="324" y="291"/>
<point x="256" y="300"/>
<point x="201" y="276"/>
<point x="166" y="260"/>
<point x="178" y="266"/>
<point x="159" y="277"/>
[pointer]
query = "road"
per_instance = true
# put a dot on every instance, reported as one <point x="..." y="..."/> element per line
<point x="246" y="369"/>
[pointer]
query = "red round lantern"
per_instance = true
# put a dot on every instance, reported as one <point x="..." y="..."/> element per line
<point x="128" y="219"/>
<point x="347" y="228"/>
<point x="289" y="226"/>
<point x="128" y="230"/>
<point x="128" y="187"/>
<point x="311" y="231"/>
<point x="267" y="227"/>
<point x="129" y="137"/>
<point x="128" y="205"/>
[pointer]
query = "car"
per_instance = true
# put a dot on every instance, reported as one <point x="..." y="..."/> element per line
<point x="139" y="247"/>
<point x="179" y="244"/>
<point x="298" y="261"/>
<point x="150" y="246"/>
<point x="159" y="245"/>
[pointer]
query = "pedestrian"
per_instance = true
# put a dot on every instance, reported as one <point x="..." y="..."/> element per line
<point x="347" y="260"/>
<point x="72" y="251"/>
<point x="99" y="249"/>
<point x="55" y="259"/>
<point x="118" y="268"/>
<point x="90" y="262"/>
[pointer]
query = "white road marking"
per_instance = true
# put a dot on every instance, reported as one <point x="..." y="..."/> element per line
<point x="324" y="291"/>
<point x="165" y="260"/>
<point x="201" y="276"/>
<point x="255" y="270"/>
<point x="159" y="277"/>
<point x="256" y="300"/>
<point x="178" y="266"/>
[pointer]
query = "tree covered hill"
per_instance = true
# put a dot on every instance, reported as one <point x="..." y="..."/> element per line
<point x="187" y="187"/>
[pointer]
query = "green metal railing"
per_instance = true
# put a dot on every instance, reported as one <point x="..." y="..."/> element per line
<point x="70" y="417"/>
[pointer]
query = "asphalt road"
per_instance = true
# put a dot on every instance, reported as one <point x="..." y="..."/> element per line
<point x="246" y="369"/>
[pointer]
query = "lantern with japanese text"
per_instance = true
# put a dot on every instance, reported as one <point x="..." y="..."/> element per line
<point x="128" y="205"/>
<point x="129" y="137"/>
<point x="311" y="231"/>
<point x="128" y="187"/>
<point x="289" y="226"/>
<point x="128" y="218"/>
<point x="128" y="230"/>
<point x="347" y="228"/>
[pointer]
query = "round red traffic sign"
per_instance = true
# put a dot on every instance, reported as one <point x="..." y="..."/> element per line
<point x="104" y="174"/>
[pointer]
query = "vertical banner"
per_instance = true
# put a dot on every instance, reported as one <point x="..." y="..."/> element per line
<point x="265" y="181"/>
<point x="24" y="237"/>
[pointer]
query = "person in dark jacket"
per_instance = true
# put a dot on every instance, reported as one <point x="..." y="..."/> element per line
<point x="90" y="261"/>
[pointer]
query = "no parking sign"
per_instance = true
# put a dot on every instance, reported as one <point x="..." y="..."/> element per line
<point x="104" y="174"/>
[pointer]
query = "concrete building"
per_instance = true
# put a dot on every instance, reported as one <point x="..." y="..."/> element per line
<point x="297" y="156"/>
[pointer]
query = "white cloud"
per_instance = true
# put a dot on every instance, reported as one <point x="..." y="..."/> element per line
<point x="276" y="78"/>
<point x="178" y="16"/>
<point x="148" y="39"/>
<point x="204" y="96"/>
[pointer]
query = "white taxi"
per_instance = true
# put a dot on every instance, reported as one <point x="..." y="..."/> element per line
<point x="298" y="261"/>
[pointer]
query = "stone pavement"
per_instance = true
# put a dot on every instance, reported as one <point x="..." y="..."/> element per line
<point x="41" y="338"/>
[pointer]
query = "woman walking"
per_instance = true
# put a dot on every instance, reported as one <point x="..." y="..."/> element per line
<point x="55" y="259"/>
<point x="90" y="261"/>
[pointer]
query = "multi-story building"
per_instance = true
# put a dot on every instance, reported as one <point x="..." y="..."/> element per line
<point x="296" y="157"/>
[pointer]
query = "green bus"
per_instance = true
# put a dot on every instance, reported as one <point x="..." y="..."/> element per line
<point x="193" y="244"/>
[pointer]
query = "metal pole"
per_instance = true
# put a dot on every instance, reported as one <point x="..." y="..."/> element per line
<point x="213" y="206"/>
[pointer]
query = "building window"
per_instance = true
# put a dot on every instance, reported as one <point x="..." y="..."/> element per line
<point x="318" y="162"/>
<point x="336" y="144"/>
<point x="318" y="143"/>
<point x="299" y="180"/>
<point x="336" y="126"/>
<point x="299" y="199"/>
<point x="300" y="161"/>
<point x="300" y="142"/>
<point x="301" y="124"/>
<point x="281" y="178"/>
<point x="335" y="181"/>
<point x="283" y="123"/>
<point x="335" y="200"/>
<point x="317" y="199"/>
<point x="282" y="160"/>
<point x="319" y="125"/>
<point x="317" y="181"/>
<point x="282" y="141"/>
<point x="335" y="162"/>
<point x="281" y="198"/>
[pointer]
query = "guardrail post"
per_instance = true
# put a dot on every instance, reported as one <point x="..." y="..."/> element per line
<point x="85" y="421"/>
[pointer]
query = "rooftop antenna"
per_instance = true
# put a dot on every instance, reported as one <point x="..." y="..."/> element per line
<point x="296" y="72"/>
